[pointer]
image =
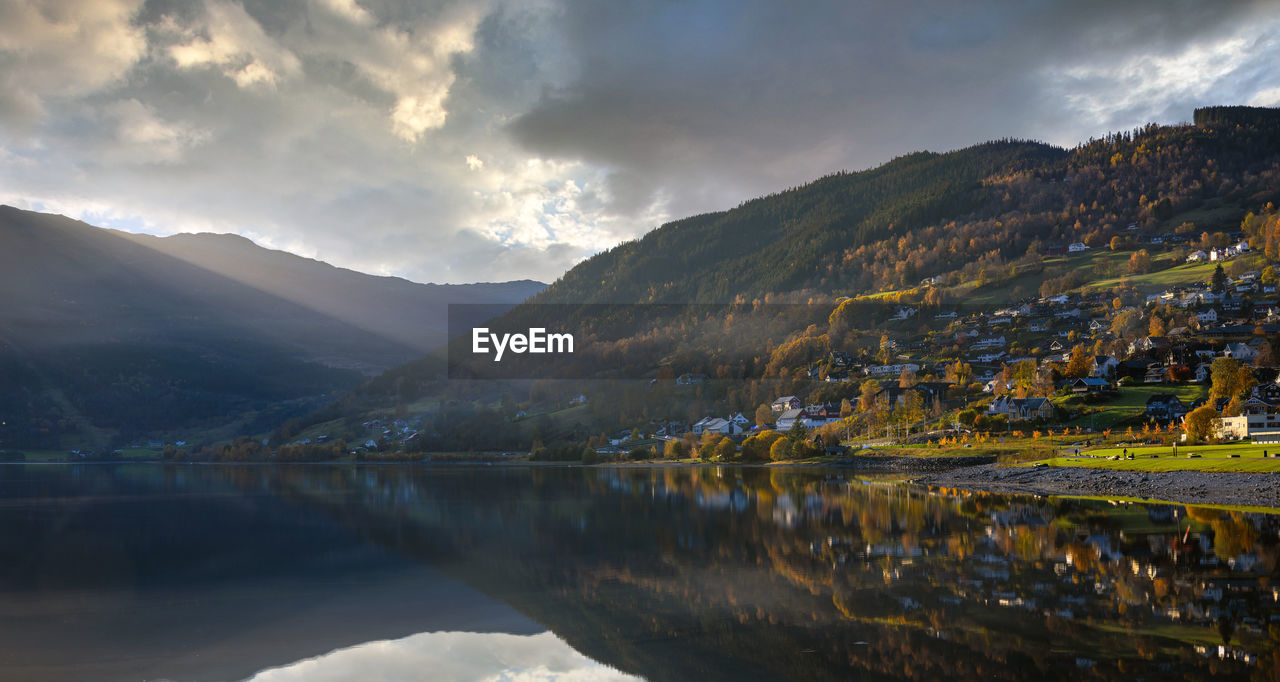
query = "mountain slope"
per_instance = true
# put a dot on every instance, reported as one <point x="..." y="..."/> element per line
<point x="928" y="214"/>
<point x="986" y="225"/>
<point x="112" y="334"/>
<point x="774" y="243"/>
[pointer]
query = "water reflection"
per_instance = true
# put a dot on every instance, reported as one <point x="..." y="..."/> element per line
<point x="677" y="574"/>
<point x="733" y="572"/>
<point x="451" y="656"/>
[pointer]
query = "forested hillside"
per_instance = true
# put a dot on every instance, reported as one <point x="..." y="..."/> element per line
<point x="971" y="230"/>
<point x="107" y="336"/>
<point x="929" y="215"/>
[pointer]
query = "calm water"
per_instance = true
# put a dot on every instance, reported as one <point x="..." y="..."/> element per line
<point x="138" y="572"/>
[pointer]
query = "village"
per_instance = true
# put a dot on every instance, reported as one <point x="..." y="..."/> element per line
<point x="1105" y="366"/>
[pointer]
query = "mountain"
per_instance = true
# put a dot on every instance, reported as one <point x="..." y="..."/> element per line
<point x="982" y="226"/>
<point x="776" y="243"/>
<point x="928" y="214"/>
<point x="106" y="334"/>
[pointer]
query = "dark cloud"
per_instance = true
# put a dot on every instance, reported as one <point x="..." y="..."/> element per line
<point x="466" y="140"/>
<point x="756" y="95"/>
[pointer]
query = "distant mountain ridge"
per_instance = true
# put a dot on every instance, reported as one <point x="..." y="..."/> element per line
<point x="112" y="332"/>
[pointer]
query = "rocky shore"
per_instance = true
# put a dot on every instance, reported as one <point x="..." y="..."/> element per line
<point x="910" y="465"/>
<point x="1187" y="487"/>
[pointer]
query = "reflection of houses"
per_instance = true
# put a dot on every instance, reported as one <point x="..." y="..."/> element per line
<point x="1021" y="409"/>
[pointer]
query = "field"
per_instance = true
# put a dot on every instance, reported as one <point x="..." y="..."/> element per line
<point x="65" y="455"/>
<point x="1247" y="458"/>
<point x="1131" y="401"/>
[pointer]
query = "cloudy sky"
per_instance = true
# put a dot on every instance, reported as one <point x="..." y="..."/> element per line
<point x="459" y="141"/>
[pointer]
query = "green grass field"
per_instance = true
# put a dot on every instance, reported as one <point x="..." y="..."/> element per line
<point x="1162" y="458"/>
<point x="1132" y="402"/>
<point x="141" y="454"/>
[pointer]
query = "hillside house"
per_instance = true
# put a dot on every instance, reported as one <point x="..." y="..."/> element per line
<point x="718" y="425"/>
<point x="1077" y="247"/>
<point x="1103" y="366"/>
<point x="788" y="419"/>
<point x="988" y="343"/>
<point x="1240" y="351"/>
<point x="1089" y="386"/>
<point x="1022" y="409"/>
<point x="891" y="370"/>
<point x="786" y="402"/>
<point x="1155" y="374"/>
<point x="1164" y="407"/>
<point x="1202" y="372"/>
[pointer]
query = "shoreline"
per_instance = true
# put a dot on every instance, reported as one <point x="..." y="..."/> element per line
<point x="964" y="472"/>
<point x="1175" y="487"/>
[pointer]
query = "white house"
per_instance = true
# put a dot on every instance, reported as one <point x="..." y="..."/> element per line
<point x="1196" y="256"/>
<point x="891" y="370"/>
<point x="717" y="425"/>
<point x="789" y="418"/>
<point x="992" y="342"/>
<point x="1103" y="366"/>
<point x="1202" y="372"/>
<point x="786" y="402"/>
<point x="1208" y="316"/>
<point x="1077" y="247"/>
<point x="1240" y="351"/>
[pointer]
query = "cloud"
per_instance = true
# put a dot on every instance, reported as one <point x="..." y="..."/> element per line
<point x="233" y="42"/>
<point x="462" y="656"/>
<point x="475" y="140"/>
<point x="143" y="137"/>
<point x="712" y="104"/>
<point x="62" y="48"/>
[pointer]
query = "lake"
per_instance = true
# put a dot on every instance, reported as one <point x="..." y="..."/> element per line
<point x="319" y="572"/>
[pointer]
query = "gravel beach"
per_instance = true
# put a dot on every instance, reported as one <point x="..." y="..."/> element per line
<point x="1188" y="487"/>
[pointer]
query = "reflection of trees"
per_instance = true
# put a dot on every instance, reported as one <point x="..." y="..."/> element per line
<point x="675" y="572"/>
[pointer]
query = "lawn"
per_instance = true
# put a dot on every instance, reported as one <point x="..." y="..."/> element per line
<point x="1131" y="401"/>
<point x="1162" y="458"/>
<point x="1188" y="273"/>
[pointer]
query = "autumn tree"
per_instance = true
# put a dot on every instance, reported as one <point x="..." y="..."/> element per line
<point x="676" y="449"/>
<point x="1139" y="262"/>
<point x="959" y="373"/>
<point x="911" y="409"/>
<point x="1201" y="424"/>
<point x="1078" y="364"/>
<point x="907" y="378"/>
<point x="867" y="394"/>
<point x="882" y="355"/>
<point x="1126" y="323"/>
<point x="764" y="415"/>
<point x="780" y="450"/>
<point x="725" y="449"/>
<point x="1229" y="378"/>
